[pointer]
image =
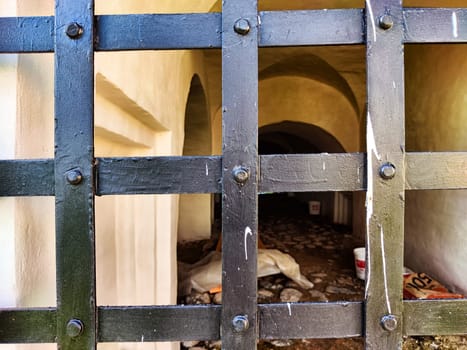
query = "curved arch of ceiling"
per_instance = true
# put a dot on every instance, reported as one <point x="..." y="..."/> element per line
<point x="197" y="140"/>
<point x="311" y="138"/>
<point x="312" y="67"/>
<point x="298" y="99"/>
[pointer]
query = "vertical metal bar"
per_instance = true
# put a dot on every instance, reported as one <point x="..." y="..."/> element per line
<point x="74" y="179"/>
<point x="385" y="194"/>
<point x="240" y="159"/>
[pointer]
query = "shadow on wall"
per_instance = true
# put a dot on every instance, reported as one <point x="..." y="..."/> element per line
<point x="194" y="220"/>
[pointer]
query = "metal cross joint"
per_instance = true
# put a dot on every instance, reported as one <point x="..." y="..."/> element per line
<point x="387" y="171"/>
<point x="241" y="174"/>
<point x="389" y="322"/>
<point x="386" y="22"/>
<point x="240" y="323"/>
<point x="74" y="30"/>
<point x="74" y="176"/>
<point x="242" y="26"/>
<point x="74" y="328"/>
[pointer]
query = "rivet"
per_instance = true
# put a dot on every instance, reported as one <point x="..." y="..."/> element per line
<point x="74" y="177"/>
<point x="240" y="323"/>
<point x="74" y="328"/>
<point x="240" y="174"/>
<point x="74" y="30"/>
<point x="389" y="322"/>
<point x="242" y="26"/>
<point x="386" y="22"/>
<point x="387" y="171"/>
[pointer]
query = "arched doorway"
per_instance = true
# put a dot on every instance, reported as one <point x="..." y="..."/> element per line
<point x="194" y="221"/>
<point x="290" y="137"/>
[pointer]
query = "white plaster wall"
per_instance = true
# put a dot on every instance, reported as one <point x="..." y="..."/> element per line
<point x="436" y="224"/>
<point x="8" y="86"/>
<point x="136" y="235"/>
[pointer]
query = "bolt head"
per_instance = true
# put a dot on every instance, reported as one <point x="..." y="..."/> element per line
<point x="389" y="322"/>
<point x="74" y="328"/>
<point x="240" y="323"/>
<point x="387" y="171"/>
<point x="242" y="26"/>
<point x="74" y="177"/>
<point x="386" y="22"/>
<point x="74" y="30"/>
<point x="241" y="174"/>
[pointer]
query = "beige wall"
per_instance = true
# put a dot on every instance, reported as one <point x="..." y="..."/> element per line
<point x="140" y="111"/>
<point x="436" y="81"/>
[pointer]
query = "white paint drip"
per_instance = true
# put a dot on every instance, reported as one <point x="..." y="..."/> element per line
<point x="455" y="33"/>
<point x="393" y="84"/>
<point x="370" y="138"/>
<point x="383" y="255"/>
<point x="324" y="165"/>
<point x="371" y="145"/>
<point x="290" y="309"/>
<point x="247" y="232"/>
<point x="368" y="260"/>
<point x="372" y="18"/>
<point x="207" y="170"/>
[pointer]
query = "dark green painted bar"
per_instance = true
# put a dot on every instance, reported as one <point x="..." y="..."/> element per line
<point x="441" y="317"/>
<point x="32" y="177"/>
<point x="28" y="325"/>
<point x="158" y="323"/>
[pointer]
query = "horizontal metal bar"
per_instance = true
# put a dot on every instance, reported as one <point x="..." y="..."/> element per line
<point x="278" y="173"/>
<point x="158" y="323"/>
<point x="313" y="172"/>
<point x="288" y="320"/>
<point x="27" y="177"/>
<point x="436" y="171"/>
<point x="159" y="175"/>
<point x="28" y="325"/>
<point x="435" y="25"/>
<point x="310" y="320"/>
<point x="26" y="34"/>
<point x="203" y="30"/>
<point x="161" y="31"/>
<point x="430" y="317"/>
<point x="316" y="27"/>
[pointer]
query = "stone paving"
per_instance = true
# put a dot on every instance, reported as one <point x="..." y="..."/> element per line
<point x="325" y="255"/>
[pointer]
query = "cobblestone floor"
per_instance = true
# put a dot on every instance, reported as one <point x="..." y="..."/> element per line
<point x="325" y="255"/>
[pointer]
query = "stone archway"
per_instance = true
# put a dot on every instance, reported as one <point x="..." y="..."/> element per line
<point x="290" y="137"/>
<point x="194" y="220"/>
